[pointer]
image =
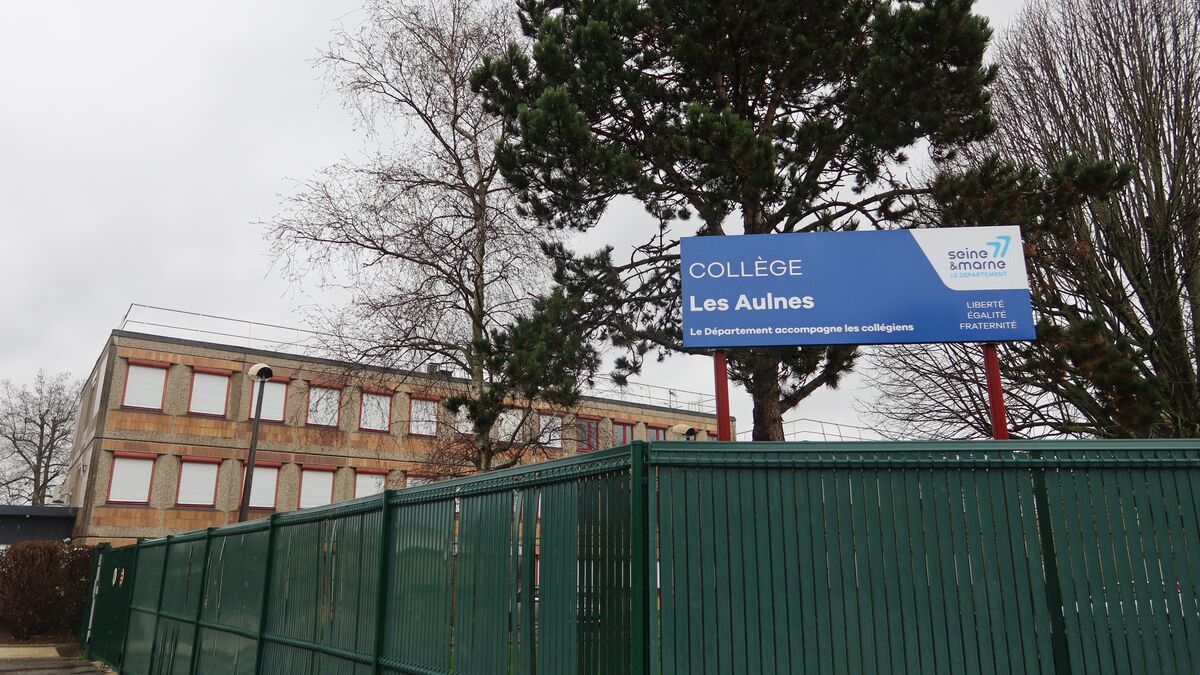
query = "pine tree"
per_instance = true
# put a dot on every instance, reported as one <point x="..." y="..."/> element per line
<point x="750" y="116"/>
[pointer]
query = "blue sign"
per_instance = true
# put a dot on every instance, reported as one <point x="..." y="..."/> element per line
<point x="964" y="284"/>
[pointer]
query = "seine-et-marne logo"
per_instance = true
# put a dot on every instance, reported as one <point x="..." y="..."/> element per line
<point x="986" y="261"/>
<point x="999" y="245"/>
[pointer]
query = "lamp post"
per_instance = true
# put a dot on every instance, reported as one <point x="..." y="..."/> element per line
<point x="260" y="373"/>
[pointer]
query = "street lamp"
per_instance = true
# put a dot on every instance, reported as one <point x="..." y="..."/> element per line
<point x="260" y="373"/>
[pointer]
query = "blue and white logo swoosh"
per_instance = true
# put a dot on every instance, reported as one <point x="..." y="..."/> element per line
<point x="975" y="258"/>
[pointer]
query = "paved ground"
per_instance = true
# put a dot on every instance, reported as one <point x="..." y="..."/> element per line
<point x="54" y="666"/>
<point x="42" y="660"/>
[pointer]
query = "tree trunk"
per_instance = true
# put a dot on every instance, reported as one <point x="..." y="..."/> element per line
<point x="482" y="438"/>
<point x="768" y="421"/>
<point x="766" y="393"/>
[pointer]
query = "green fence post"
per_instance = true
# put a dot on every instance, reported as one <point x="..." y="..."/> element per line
<point x="200" y="602"/>
<point x="85" y="623"/>
<point x="639" y="626"/>
<point x="266" y="594"/>
<point x="1054" y="601"/>
<point x="382" y="581"/>
<point x="137" y="554"/>
<point x="162" y="586"/>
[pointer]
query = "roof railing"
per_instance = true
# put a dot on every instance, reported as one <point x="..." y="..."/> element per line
<point x="183" y="324"/>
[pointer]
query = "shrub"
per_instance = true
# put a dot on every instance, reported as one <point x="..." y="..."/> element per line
<point x="43" y="586"/>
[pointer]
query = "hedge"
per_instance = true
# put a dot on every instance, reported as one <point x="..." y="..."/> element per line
<point x="43" y="586"/>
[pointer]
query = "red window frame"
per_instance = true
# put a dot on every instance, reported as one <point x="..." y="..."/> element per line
<point x="179" y="482"/>
<point x="250" y="406"/>
<point x="113" y="470"/>
<point x="370" y="472"/>
<point x="629" y="426"/>
<point x="436" y="421"/>
<point x="228" y="374"/>
<point x="308" y="405"/>
<point x="278" y="466"/>
<point x="362" y="403"/>
<point x="145" y="364"/>
<point x="315" y="467"/>
<point x="652" y="430"/>
<point x="592" y="423"/>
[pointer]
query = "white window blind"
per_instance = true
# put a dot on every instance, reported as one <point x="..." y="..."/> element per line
<point x="368" y="484"/>
<point x="508" y="426"/>
<point x="551" y="431"/>
<point x="424" y="417"/>
<point x="197" y="484"/>
<point x="462" y="422"/>
<point x="323" y="406"/>
<point x="262" y="492"/>
<point x="376" y="412"/>
<point x="144" y="387"/>
<point x="414" y="481"/>
<point x="316" y="488"/>
<point x="208" y="393"/>
<point x="273" y="399"/>
<point x="131" y="480"/>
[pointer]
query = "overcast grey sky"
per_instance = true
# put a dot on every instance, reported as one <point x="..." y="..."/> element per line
<point x="142" y="142"/>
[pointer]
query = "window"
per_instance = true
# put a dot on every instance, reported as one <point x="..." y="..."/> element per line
<point x="463" y="426"/>
<point x="423" y="417"/>
<point x="316" y="487"/>
<point x="508" y="426"/>
<point x="262" y="492"/>
<point x="197" y="483"/>
<point x="368" y="483"/>
<point x="656" y="433"/>
<point x="323" y="405"/>
<point x="144" y="384"/>
<point x="413" y="480"/>
<point x="589" y="435"/>
<point x="550" y="434"/>
<point x="274" y="397"/>
<point x="98" y="382"/>
<point x="130" y="480"/>
<point x="376" y="412"/>
<point x="622" y="434"/>
<point x="209" y="391"/>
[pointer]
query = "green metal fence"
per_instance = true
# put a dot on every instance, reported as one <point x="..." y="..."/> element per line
<point x="674" y="558"/>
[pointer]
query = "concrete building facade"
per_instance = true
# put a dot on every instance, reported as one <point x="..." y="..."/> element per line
<point x="164" y="429"/>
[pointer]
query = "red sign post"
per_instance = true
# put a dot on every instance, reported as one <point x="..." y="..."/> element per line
<point x="991" y="367"/>
<point x="721" y="373"/>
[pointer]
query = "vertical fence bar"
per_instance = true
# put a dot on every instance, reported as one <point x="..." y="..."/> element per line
<point x="640" y="624"/>
<point x="529" y="546"/>
<point x="1054" y="599"/>
<point x="381" y="597"/>
<point x="199" y="601"/>
<point x="266" y="594"/>
<point x="162" y="584"/>
<point x="85" y="621"/>
<point x="137" y="554"/>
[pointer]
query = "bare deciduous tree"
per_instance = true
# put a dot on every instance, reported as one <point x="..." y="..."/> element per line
<point x="36" y="427"/>
<point x="424" y="235"/>
<point x="1117" y="283"/>
<point x="940" y="392"/>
